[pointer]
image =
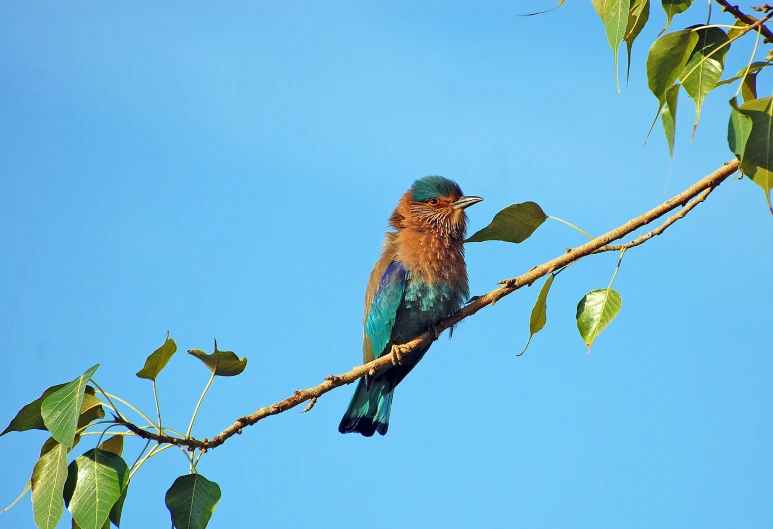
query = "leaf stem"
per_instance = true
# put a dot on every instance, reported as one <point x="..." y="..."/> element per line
<point x="617" y="268"/>
<point x="570" y="225"/>
<point x="158" y="408"/>
<point x="751" y="60"/>
<point x="107" y="396"/>
<point x="198" y="404"/>
<point x="119" y="399"/>
<point x="23" y="493"/>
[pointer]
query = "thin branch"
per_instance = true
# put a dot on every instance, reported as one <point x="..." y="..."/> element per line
<point x="508" y="287"/>
<point x="747" y="19"/>
<point x="647" y="236"/>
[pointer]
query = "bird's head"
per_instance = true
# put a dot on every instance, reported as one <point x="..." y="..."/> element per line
<point x="434" y="203"/>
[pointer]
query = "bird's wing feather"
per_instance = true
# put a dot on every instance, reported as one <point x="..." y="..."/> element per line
<point x="380" y="315"/>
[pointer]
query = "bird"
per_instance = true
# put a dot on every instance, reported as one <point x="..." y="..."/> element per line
<point x="419" y="280"/>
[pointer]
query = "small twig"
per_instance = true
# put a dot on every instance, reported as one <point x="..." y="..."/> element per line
<point x="644" y="238"/>
<point x="748" y="19"/>
<point x="508" y="286"/>
<point x="312" y="402"/>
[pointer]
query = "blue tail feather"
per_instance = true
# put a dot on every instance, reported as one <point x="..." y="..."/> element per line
<point x="369" y="409"/>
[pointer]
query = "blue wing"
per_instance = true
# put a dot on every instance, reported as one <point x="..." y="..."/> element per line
<point x="383" y="310"/>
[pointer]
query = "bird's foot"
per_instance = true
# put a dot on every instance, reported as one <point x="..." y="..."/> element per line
<point x="397" y="354"/>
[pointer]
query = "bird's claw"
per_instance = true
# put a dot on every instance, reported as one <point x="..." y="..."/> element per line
<point x="397" y="355"/>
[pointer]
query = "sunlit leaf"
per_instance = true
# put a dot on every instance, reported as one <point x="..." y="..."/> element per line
<point x="61" y="409"/>
<point x="637" y="19"/>
<point x="669" y="116"/>
<point x="221" y="363"/>
<point x="515" y="224"/>
<point x="757" y="160"/>
<point x="615" y="19"/>
<point x="48" y="479"/>
<point x="113" y="444"/>
<point x="191" y="500"/>
<point x="595" y="311"/>
<point x="95" y="482"/>
<point x="539" y="314"/>
<point x="705" y="65"/>
<point x="598" y="5"/>
<point x="158" y="360"/>
<point x="30" y="418"/>
<point x="673" y="8"/>
<point x="666" y="61"/>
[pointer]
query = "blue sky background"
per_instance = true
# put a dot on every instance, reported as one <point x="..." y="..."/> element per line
<point x="227" y="171"/>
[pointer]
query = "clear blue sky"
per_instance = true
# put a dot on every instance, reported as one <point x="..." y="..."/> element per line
<point x="227" y="171"/>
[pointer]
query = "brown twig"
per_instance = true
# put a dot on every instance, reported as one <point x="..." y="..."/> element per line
<point x="700" y="190"/>
<point x="748" y="19"/>
<point x="647" y="236"/>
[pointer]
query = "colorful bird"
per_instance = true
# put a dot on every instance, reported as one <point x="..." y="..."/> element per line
<point x="419" y="280"/>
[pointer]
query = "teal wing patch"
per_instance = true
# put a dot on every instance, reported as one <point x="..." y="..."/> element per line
<point x="383" y="310"/>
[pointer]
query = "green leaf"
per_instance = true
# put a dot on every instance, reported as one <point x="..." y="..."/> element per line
<point x="221" y="363"/>
<point x="666" y="60"/>
<point x="515" y="224"/>
<point x="757" y="160"/>
<point x="158" y="360"/>
<point x="51" y="443"/>
<point x="753" y="68"/>
<point x="29" y="417"/>
<point x="61" y="409"/>
<point x="674" y="7"/>
<point x="637" y="19"/>
<point x="191" y="500"/>
<point x="48" y="478"/>
<point x="94" y="484"/>
<point x="669" y="116"/>
<point x="113" y="444"/>
<point x="117" y="509"/>
<point x="738" y="129"/>
<point x="749" y="87"/>
<point x="616" y="20"/>
<point x="705" y="65"/>
<point x="736" y="30"/>
<point x="539" y="314"/>
<point x="595" y="311"/>
<point x="598" y="5"/>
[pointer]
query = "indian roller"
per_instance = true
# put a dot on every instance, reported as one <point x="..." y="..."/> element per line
<point x="420" y="279"/>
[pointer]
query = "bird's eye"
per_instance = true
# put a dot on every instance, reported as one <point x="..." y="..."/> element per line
<point x="432" y="202"/>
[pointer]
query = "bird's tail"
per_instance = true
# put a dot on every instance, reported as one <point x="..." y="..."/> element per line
<point x="369" y="408"/>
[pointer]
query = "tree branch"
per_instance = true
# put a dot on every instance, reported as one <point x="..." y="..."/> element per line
<point x="700" y="190"/>
<point x="747" y="19"/>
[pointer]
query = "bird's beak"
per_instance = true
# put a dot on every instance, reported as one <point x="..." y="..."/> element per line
<point x="465" y="202"/>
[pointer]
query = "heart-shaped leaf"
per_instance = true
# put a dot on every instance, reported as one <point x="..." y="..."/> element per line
<point x="595" y="311"/>
<point x="94" y="484"/>
<point x="515" y="224"/>
<point x="191" y="500"/>
<point x="30" y="418"/>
